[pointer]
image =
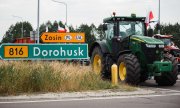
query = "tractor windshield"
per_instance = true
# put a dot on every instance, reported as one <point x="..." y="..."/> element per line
<point x="128" y="28"/>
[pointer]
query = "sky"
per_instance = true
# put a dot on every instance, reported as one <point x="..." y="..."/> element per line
<point x="83" y="11"/>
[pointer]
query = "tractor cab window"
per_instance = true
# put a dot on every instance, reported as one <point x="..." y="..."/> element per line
<point x="109" y="32"/>
<point x="128" y="28"/>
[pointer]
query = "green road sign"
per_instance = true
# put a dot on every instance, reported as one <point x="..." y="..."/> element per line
<point x="43" y="51"/>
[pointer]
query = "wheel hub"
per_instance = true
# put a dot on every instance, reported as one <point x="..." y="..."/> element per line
<point x="97" y="64"/>
<point x="122" y="71"/>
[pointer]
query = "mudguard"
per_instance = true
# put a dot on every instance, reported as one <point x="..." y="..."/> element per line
<point x="102" y="45"/>
<point x="123" y="52"/>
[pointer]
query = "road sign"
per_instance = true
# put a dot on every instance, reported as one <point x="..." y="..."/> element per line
<point x="33" y="35"/>
<point x="43" y="51"/>
<point x="50" y="37"/>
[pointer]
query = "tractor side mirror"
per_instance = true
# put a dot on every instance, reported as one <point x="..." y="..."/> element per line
<point x="105" y="27"/>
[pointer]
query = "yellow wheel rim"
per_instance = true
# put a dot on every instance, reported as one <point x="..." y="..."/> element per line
<point x="122" y="71"/>
<point x="97" y="64"/>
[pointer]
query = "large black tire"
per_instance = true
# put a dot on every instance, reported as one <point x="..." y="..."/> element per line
<point x="132" y="68"/>
<point x="168" y="79"/>
<point x="98" y="53"/>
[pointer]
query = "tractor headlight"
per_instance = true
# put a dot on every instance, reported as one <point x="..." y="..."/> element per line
<point x="150" y="46"/>
<point x="161" y="46"/>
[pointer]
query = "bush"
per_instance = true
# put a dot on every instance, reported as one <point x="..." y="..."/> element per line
<point x="43" y="76"/>
<point x="22" y="76"/>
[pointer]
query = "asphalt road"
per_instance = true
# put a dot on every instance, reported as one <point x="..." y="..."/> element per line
<point x="135" y="102"/>
<point x="152" y="84"/>
<point x="165" y="97"/>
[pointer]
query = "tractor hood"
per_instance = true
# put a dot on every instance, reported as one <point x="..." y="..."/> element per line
<point x="148" y="40"/>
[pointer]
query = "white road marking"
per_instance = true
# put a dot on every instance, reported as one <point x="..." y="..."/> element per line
<point x="169" y="90"/>
<point x="85" y="99"/>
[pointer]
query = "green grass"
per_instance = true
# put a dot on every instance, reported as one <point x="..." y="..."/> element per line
<point x="28" y="77"/>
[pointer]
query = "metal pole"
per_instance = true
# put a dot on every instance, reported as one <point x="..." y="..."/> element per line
<point x="159" y="17"/>
<point x="66" y="8"/>
<point x="22" y="30"/>
<point x="38" y="22"/>
<point x="66" y="14"/>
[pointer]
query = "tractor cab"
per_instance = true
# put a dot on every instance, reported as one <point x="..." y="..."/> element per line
<point x="119" y="29"/>
<point x="124" y="26"/>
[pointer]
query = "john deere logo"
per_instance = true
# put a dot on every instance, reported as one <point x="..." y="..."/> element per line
<point x="68" y="37"/>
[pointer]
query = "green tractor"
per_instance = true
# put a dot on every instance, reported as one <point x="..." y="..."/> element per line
<point x="137" y="56"/>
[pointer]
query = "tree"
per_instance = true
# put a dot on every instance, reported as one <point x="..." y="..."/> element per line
<point x="61" y="24"/>
<point x="8" y="37"/>
<point x="16" y="32"/>
<point x="27" y="28"/>
<point x="51" y="27"/>
<point x="55" y="26"/>
<point x="89" y="38"/>
<point x="101" y="32"/>
<point x="42" y="29"/>
<point x="72" y="29"/>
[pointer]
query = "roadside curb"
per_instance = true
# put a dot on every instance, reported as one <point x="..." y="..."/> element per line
<point x="79" y="95"/>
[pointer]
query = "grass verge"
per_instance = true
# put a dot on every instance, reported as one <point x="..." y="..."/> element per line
<point x="38" y="76"/>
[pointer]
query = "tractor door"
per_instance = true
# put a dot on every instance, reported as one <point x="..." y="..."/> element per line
<point x="116" y="40"/>
<point x="120" y="41"/>
<point x="112" y="38"/>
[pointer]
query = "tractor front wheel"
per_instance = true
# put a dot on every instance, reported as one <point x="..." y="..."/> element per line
<point x="168" y="79"/>
<point x="98" y="62"/>
<point x="129" y="69"/>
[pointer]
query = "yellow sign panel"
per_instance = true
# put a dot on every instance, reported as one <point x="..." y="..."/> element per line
<point x="49" y="37"/>
<point x="15" y="51"/>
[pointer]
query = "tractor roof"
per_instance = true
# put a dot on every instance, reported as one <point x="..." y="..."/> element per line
<point x="123" y="18"/>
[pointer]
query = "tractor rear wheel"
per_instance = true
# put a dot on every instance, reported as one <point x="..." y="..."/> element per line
<point x="168" y="79"/>
<point x="98" y="62"/>
<point x="129" y="69"/>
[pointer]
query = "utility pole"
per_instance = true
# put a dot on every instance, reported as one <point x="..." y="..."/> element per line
<point x="66" y="8"/>
<point x="159" y="18"/>
<point x="38" y="8"/>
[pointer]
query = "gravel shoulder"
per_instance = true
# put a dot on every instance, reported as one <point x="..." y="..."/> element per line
<point x="78" y="95"/>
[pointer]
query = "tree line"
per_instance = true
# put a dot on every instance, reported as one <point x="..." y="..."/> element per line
<point x="15" y="31"/>
<point x="91" y="31"/>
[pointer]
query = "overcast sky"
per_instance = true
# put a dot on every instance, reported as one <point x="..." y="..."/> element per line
<point x="83" y="11"/>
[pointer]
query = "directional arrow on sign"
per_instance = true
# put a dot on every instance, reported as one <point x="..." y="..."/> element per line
<point x="43" y="51"/>
<point x="51" y="37"/>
